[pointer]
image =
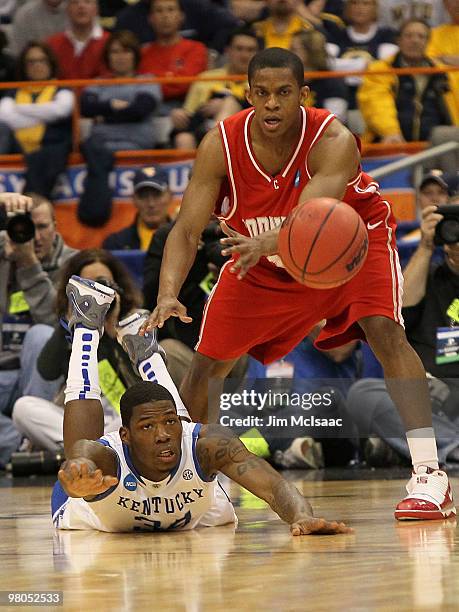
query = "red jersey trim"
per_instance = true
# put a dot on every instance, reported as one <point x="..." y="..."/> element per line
<point x="229" y="169"/>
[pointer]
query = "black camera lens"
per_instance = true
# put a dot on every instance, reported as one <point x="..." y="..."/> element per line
<point x="447" y="230"/>
<point x="38" y="462"/>
<point x="20" y="228"/>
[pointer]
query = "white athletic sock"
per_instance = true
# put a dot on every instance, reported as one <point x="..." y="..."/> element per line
<point x="83" y="374"/>
<point x="154" y="369"/>
<point x="423" y="447"/>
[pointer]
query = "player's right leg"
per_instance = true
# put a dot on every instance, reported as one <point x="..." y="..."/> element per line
<point x="89" y="302"/>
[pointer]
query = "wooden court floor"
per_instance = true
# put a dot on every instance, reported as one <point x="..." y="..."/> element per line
<point x="384" y="565"/>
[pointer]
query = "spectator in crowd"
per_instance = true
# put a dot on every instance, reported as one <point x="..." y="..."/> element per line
<point x="204" y="20"/>
<point x="41" y="421"/>
<point x="205" y="99"/>
<point x="28" y="275"/>
<point x="122" y="117"/>
<point x="280" y="25"/>
<point x="362" y="41"/>
<point x="80" y="47"/>
<point x="108" y="10"/>
<point x="314" y="16"/>
<point x="177" y="338"/>
<point x="431" y="314"/>
<point x="393" y="13"/>
<point x="310" y="46"/>
<point x="171" y="54"/>
<point x="444" y="41"/>
<point x="434" y="189"/>
<point x="37" y="20"/>
<point x="153" y="200"/>
<point x="37" y="121"/>
<point x="7" y="63"/>
<point x="444" y="46"/>
<point x="406" y="108"/>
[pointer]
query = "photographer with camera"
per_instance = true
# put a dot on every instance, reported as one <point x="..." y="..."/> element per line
<point x="431" y="313"/>
<point x="31" y="253"/>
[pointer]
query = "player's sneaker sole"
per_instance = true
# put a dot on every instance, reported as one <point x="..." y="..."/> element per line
<point x="138" y="347"/>
<point x="89" y="303"/>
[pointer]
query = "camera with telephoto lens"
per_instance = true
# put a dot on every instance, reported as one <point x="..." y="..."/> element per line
<point x="20" y="228"/>
<point x="447" y="229"/>
<point x="37" y="463"/>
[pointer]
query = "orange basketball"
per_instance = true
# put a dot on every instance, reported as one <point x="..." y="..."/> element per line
<point x="323" y="243"/>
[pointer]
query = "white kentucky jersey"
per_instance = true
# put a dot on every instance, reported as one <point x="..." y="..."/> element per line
<point x="183" y="500"/>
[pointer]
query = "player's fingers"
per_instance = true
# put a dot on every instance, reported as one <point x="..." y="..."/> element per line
<point x="150" y="323"/>
<point x="230" y="250"/>
<point x="84" y="470"/>
<point x="62" y="476"/>
<point x="74" y="471"/>
<point x="109" y="481"/>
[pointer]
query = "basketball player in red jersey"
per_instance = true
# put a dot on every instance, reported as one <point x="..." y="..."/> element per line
<point x="268" y="159"/>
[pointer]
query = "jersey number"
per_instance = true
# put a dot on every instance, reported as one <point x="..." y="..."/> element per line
<point x="149" y="525"/>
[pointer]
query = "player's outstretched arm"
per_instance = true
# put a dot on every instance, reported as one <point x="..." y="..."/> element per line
<point x="219" y="450"/>
<point x="196" y="209"/>
<point x="90" y="469"/>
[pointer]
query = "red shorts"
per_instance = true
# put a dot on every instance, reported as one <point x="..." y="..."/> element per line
<point x="267" y="313"/>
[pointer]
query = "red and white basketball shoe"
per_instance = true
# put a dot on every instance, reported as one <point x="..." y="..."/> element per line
<point x="429" y="497"/>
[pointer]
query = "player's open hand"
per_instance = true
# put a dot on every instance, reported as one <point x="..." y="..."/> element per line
<point x="310" y="525"/>
<point x="249" y="249"/>
<point x="15" y="203"/>
<point x="165" y="308"/>
<point x="82" y="478"/>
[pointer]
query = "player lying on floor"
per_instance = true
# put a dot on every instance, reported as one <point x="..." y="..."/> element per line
<point x="158" y="472"/>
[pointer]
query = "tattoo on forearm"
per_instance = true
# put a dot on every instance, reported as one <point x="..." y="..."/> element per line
<point x="288" y="502"/>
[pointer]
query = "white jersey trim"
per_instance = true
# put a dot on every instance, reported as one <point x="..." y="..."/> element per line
<point x="322" y="127"/>
<point x="396" y="271"/>
<point x="230" y="170"/>
<point x="247" y="146"/>
<point x="300" y="142"/>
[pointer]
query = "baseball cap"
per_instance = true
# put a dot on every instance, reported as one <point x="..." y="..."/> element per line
<point x="438" y="176"/>
<point x="151" y="176"/>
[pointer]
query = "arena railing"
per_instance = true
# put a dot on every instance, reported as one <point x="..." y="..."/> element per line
<point x="139" y="157"/>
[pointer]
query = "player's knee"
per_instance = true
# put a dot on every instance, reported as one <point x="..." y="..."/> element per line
<point x="384" y="335"/>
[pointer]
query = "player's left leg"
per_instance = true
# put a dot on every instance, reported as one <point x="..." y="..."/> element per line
<point x="147" y="356"/>
<point x="429" y="491"/>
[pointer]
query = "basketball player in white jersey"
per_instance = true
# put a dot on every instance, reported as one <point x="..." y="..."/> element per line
<point x="158" y="472"/>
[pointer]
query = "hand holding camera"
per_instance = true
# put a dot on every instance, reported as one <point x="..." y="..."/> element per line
<point x="440" y="225"/>
<point x="15" y="203"/>
<point x="20" y="228"/>
<point x="429" y="220"/>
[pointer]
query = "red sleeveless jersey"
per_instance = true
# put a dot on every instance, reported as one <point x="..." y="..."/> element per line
<point x="258" y="201"/>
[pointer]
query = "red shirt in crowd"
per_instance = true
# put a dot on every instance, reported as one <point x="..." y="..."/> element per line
<point x="185" y="58"/>
<point x="86" y="64"/>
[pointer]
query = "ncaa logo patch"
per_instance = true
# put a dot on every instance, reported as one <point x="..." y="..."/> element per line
<point x="130" y="482"/>
<point x="187" y="474"/>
